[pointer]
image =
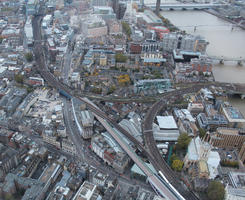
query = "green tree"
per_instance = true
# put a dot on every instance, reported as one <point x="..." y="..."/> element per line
<point x="19" y="78"/>
<point x="126" y="29"/>
<point x="202" y="132"/>
<point x="216" y="190"/>
<point x="173" y="158"/>
<point x="183" y="141"/>
<point x="29" y="57"/>
<point x="121" y="58"/>
<point x="177" y="165"/>
<point x="9" y="197"/>
<point x="30" y="89"/>
<point x="111" y="89"/>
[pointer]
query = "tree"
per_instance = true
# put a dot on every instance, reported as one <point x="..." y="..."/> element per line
<point x="121" y="58"/>
<point x="30" y="89"/>
<point x="183" y="141"/>
<point x="177" y="165"/>
<point x="216" y="190"/>
<point x="111" y="89"/>
<point x="202" y="132"/>
<point x="123" y="79"/>
<point x="126" y="29"/>
<point x="173" y="158"/>
<point x="29" y="57"/>
<point x="9" y="197"/>
<point x="19" y="78"/>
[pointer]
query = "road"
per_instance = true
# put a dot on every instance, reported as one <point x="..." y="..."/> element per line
<point x="43" y="70"/>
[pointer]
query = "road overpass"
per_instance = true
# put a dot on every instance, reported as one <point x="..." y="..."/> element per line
<point x="161" y="187"/>
<point x="184" y="6"/>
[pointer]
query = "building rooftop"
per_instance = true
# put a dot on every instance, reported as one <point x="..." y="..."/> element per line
<point x="87" y="191"/>
<point x="166" y="122"/>
<point x="137" y="170"/>
<point x="233" y="114"/>
<point x="203" y="167"/>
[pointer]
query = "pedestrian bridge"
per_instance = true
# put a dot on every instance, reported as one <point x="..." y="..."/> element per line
<point x="184" y="6"/>
<point x="223" y="59"/>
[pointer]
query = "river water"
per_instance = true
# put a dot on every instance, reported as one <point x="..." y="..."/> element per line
<point x="223" y="42"/>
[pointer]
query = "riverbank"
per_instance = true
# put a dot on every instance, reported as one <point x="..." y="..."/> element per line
<point x="212" y="12"/>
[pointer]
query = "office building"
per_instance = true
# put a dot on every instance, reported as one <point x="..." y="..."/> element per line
<point x="242" y="153"/>
<point x="87" y="191"/>
<point x="94" y="26"/>
<point x="99" y="2"/>
<point x="228" y="138"/>
<point x="176" y="41"/>
<point x="211" y="123"/>
<point x="234" y="116"/>
<point x="166" y="130"/>
<point x="160" y="85"/>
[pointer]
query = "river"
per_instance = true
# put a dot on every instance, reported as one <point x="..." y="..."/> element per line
<point x="223" y="42"/>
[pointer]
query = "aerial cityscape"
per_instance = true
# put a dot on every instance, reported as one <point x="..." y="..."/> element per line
<point x="122" y="100"/>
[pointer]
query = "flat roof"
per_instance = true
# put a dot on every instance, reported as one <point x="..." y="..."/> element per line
<point x="137" y="170"/>
<point x="166" y="122"/>
<point x="233" y="114"/>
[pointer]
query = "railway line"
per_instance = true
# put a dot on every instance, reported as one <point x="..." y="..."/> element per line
<point x="153" y="156"/>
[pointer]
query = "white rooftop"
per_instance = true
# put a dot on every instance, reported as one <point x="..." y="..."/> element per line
<point x="213" y="163"/>
<point x="166" y="122"/>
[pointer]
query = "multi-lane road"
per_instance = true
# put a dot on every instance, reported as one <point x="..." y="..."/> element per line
<point x="45" y="73"/>
<point x="153" y="156"/>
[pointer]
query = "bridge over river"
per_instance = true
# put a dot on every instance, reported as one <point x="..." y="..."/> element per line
<point x="222" y="59"/>
<point x="184" y="6"/>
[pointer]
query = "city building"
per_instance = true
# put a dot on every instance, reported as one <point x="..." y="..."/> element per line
<point x="119" y="8"/>
<point x="202" y="65"/>
<point x="105" y="12"/>
<point x="87" y="119"/>
<point x="160" y="85"/>
<point x="211" y="123"/>
<point x="87" y="191"/>
<point x="9" y="159"/>
<point x="153" y="59"/>
<point x="166" y="130"/>
<point x="99" y="179"/>
<point x="235" y="190"/>
<point x="68" y="146"/>
<point x="99" y="2"/>
<point x="200" y="154"/>
<point x="110" y="152"/>
<point x="32" y="7"/>
<point x="35" y="81"/>
<point x="160" y="31"/>
<point x="33" y="188"/>
<point x="186" y="122"/>
<point x="50" y="137"/>
<point x="94" y="26"/>
<point x="228" y="138"/>
<point x="133" y="127"/>
<point x="28" y="32"/>
<point x="242" y="153"/>
<point x="115" y="27"/>
<point x="234" y="116"/>
<point x="149" y="18"/>
<point x="177" y="41"/>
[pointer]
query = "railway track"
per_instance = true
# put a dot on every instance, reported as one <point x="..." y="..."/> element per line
<point x="153" y="154"/>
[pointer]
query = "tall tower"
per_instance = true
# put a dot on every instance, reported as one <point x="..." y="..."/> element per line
<point x="158" y="3"/>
